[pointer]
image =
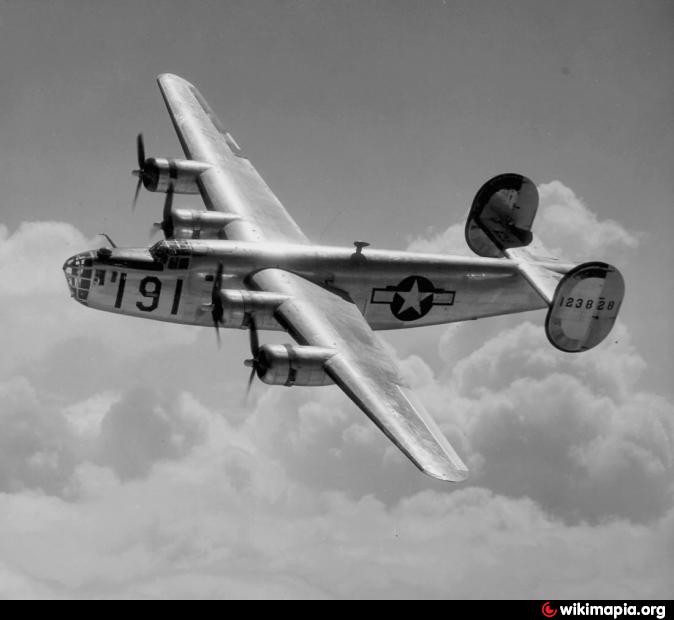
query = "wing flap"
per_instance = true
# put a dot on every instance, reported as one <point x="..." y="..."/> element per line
<point x="363" y="369"/>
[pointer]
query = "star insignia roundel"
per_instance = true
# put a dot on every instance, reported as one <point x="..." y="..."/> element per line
<point x="413" y="298"/>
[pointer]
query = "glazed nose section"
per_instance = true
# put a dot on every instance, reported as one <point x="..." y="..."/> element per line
<point x="78" y="270"/>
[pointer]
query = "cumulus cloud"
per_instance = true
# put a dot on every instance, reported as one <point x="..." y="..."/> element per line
<point x="143" y="428"/>
<point x="450" y="241"/>
<point x="324" y="441"/>
<point x="576" y="435"/>
<point x="140" y="474"/>
<point x="229" y="518"/>
<point x="42" y="444"/>
<point x="32" y="255"/>
<point x="572" y="432"/>
<point x="186" y="531"/>
<point x="570" y="228"/>
<point x="17" y="585"/>
<point x="37" y="451"/>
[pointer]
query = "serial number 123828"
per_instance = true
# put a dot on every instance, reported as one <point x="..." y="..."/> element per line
<point x="587" y="304"/>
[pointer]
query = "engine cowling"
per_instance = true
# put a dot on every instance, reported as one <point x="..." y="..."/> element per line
<point x="160" y="175"/>
<point x="239" y="305"/>
<point x="199" y="224"/>
<point x="279" y="364"/>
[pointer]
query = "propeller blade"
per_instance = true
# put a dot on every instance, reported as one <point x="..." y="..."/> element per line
<point x="256" y="363"/>
<point x="140" y="151"/>
<point x="135" y="196"/>
<point x="251" y="378"/>
<point x="140" y="155"/>
<point x="167" y="220"/>
<point x="217" y="285"/>
<point x="218" y="276"/>
<point x="216" y="302"/>
<point x="254" y="340"/>
<point x="168" y="203"/>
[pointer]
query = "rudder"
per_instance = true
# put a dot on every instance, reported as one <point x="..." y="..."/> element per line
<point x="501" y="215"/>
<point x="585" y="307"/>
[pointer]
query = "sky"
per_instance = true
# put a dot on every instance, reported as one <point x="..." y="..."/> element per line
<point x="130" y="465"/>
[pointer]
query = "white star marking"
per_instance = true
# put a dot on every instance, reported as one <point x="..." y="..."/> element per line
<point x="413" y="298"/>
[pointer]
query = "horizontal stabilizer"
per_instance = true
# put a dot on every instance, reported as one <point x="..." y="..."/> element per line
<point x="585" y="307"/>
<point x="544" y="277"/>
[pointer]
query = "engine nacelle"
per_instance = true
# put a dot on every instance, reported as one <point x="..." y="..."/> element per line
<point x="199" y="224"/>
<point x="279" y="364"/>
<point x="239" y="305"/>
<point x="160" y="175"/>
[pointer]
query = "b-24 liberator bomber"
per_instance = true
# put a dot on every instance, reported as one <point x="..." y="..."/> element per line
<point x="243" y="263"/>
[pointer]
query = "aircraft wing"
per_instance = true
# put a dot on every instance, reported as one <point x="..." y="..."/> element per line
<point x="231" y="185"/>
<point x="362" y="368"/>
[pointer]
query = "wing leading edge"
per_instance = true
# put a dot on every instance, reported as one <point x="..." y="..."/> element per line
<point x="231" y="185"/>
<point x="363" y="369"/>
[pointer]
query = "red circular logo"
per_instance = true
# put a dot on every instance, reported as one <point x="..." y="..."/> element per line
<point x="548" y="612"/>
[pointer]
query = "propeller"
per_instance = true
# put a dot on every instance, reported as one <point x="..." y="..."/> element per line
<point x="166" y="224"/>
<point x="256" y="364"/>
<point x="216" y="302"/>
<point x="140" y="153"/>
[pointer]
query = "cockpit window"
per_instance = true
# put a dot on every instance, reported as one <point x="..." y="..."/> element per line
<point x="159" y="251"/>
<point x="174" y="247"/>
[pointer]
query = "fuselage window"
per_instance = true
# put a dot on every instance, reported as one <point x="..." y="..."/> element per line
<point x="178" y="262"/>
<point x="100" y="277"/>
<point x="113" y="277"/>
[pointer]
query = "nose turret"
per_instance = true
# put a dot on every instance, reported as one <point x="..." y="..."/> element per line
<point x="78" y="270"/>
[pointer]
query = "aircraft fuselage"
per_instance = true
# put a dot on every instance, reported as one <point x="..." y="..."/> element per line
<point x="173" y="281"/>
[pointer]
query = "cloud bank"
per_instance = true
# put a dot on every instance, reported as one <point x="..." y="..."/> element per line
<point x="130" y="468"/>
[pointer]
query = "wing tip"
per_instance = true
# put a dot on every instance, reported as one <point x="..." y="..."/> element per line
<point x="167" y="78"/>
<point x="447" y="474"/>
<point x="441" y="461"/>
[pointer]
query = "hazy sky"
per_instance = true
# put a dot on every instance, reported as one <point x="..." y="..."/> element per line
<point x="128" y="463"/>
